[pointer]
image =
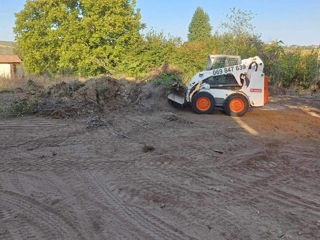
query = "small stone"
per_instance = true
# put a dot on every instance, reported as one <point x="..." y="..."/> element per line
<point x="55" y="201"/>
<point x="147" y="148"/>
<point x="170" y="117"/>
<point x="95" y="122"/>
<point x="215" y="188"/>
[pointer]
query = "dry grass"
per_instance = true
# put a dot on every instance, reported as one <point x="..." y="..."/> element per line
<point x="21" y="82"/>
<point x="9" y="84"/>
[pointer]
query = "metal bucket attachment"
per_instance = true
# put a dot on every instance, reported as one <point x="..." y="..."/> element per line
<point x="176" y="100"/>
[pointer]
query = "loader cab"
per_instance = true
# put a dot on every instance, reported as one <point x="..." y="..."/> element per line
<point x="227" y="81"/>
<point x="220" y="61"/>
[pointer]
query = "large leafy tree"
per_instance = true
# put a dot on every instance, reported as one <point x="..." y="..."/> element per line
<point x="199" y="28"/>
<point x="78" y="36"/>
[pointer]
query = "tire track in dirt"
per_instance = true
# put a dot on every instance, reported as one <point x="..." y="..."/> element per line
<point x="19" y="221"/>
<point x="264" y="187"/>
<point x="214" y="215"/>
<point x="179" y="170"/>
<point x="143" y="220"/>
<point x="249" y="191"/>
<point x="35" y="210"/>
<point x="89" y="199"/>
<point x="210" y="213"/>
<point x="59" y="164"/>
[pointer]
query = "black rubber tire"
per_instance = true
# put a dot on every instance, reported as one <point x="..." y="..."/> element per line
<point x="227" y="105"/>
<point x="194" y="103"/>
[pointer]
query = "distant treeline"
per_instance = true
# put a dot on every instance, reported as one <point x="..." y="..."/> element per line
<point x="97" y="37"/>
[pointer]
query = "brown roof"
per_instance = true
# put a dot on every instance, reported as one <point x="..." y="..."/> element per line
<point x="10" y="59"/>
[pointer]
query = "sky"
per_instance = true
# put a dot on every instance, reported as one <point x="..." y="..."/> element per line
<point x="295" y="22"/>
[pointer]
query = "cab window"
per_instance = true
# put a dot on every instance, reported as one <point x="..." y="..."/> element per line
<point x="228" y="80"/>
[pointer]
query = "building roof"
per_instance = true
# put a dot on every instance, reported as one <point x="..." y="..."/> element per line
<point x="10" y="59"/>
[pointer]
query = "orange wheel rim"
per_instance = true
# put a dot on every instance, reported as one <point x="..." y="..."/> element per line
<point x="203" y="103"/>
<point x="237" y="105"/>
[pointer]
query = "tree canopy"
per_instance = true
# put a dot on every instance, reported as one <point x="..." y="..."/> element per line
<point x="199" y="28"/>
<point x="84" y="36"/>
<point x="91" y="37"/>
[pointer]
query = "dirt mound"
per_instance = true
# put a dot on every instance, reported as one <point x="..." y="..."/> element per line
<point x="75" y="98"/>
<point x="153" y="97"/>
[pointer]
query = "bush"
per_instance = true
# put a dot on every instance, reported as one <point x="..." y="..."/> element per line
<point x="171" y="82"/>
<point x="170" y="77"/>
<point x="24" y="106"/>
<point x="150" y="53"/>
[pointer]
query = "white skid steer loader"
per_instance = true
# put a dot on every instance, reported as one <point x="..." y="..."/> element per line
<point x="228" y="83"/>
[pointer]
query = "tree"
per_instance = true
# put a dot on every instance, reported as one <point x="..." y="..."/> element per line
<point x="199" y="28"/>
<point x="154" y="50"/>
<point x="78" y="36"/>
<point x="239" y="22"/>
<point x="271" y="54"/>
<point x="240" y="31"/>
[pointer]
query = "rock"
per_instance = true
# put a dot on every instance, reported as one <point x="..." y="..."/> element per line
<point x="170" y="117"/>
<point x="95" y="122"/>
<point x="147" y="148"/>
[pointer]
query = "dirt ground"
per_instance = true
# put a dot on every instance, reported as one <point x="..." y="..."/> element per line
<point x="163" y="174"/>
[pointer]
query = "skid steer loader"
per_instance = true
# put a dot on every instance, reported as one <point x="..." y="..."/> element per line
<point x="228" y="83"/>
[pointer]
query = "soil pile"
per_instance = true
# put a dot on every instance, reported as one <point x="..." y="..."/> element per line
<point x="75" y="98"/>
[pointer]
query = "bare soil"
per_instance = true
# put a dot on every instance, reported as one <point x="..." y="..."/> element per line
<point x="162" y="173"/>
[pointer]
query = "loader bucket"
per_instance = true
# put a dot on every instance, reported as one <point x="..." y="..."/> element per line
<point x="177" y="100"/>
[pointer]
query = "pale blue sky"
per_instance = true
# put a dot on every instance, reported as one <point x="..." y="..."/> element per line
<point x="292" y="21"/>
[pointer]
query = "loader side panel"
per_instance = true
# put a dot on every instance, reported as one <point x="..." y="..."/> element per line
<point x="219" y="95"/>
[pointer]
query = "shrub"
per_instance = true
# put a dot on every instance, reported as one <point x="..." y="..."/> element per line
<point x="24" y="106"/>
